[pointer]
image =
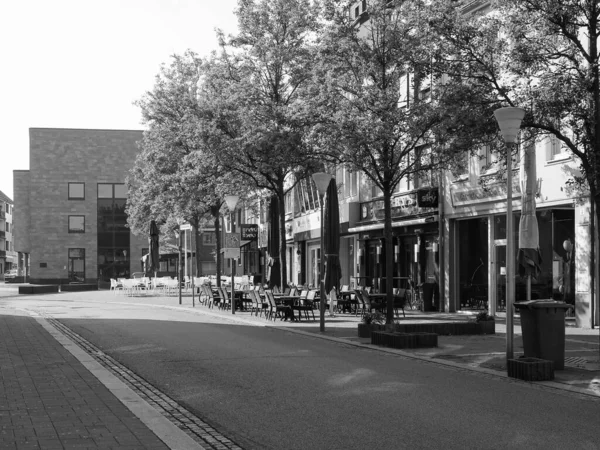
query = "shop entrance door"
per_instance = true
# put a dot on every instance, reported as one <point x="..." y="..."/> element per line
<point x="314" y="265"/>
<point x="499" y="274"/>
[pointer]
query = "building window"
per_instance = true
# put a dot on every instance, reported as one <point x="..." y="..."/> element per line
<point x="76" y="224"/>
<point x="105" y="190"/>
<point x="555" y="149"/>
<point x="76" y="264"/>
<point x="76" y="191"/>
<point x="208" y="238"/>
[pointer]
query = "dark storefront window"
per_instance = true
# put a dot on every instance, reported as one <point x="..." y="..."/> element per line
<point x="113" y="234"/>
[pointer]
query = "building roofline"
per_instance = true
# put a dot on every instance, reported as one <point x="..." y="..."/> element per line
<point x="5" y="198"/>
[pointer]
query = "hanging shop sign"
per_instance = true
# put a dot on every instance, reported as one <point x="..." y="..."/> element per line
<point x="249" y="233"/>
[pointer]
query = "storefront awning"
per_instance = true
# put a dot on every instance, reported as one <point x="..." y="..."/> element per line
<point x="400" y="223"/>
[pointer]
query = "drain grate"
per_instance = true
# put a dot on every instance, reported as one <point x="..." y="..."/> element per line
<point x="194" y="427"/>
<point x="578" y="362"/>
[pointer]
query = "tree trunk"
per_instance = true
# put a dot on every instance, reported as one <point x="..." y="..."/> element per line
<point x="389" y="256"/>
<point x="282" y="240"/>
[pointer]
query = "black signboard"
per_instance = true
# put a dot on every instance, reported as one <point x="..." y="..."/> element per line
<point x="249" y="232"/>
<point x="427" y="198"/>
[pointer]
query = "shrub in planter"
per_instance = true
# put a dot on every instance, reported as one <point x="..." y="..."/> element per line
<point x="371" y="322"/>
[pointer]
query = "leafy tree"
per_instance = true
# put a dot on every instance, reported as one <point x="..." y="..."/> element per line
<point x="380" y="101"/>
<point x="176" y="175"/>
<point x="263" y="73"/>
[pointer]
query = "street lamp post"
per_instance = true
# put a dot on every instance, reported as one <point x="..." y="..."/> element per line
<point x="509" y="120"/>
<point x="178" y="237"/>
<point x="322" y="180"/>
<point x="231" y="201"/>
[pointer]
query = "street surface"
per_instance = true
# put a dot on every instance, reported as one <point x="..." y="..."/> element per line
<point x="267" y="388"/>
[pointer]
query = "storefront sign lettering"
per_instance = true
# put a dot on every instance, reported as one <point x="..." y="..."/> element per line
<point x="479" y="194"/>
<point x="249" y="232"/>
<point x="402" y="206"/>
<point x="427" y="198"/>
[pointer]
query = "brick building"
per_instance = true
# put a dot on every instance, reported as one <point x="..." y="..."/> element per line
<point x="71" y="217"/>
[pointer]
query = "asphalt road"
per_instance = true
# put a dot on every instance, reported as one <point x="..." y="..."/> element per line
<point x="272" y="389"/>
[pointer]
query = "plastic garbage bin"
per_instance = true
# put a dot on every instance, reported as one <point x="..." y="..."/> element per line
<point x="543" y="327"/>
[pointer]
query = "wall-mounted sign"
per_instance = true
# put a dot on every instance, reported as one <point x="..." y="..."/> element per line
<point x="428" y="198"/>
<point x="402" y="206"/>
<point x="493" y="193"/>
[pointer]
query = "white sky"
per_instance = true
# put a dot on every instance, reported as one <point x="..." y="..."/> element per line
<point x="82" y="63"/>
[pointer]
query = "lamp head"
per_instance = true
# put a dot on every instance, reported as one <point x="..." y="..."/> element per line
<point x="231" y="201"/>
<point x="509" y="119"/>
<point x="322" y="180"/>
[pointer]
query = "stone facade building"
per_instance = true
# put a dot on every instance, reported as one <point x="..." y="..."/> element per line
<point x="71" y="216"/>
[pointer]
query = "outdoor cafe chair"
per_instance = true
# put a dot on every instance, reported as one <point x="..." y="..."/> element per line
<point x="399" y="301"/>
<point x="225" y="302"/>
<point x="360" y="303"/>
<point x="211" y="300"/>
<point x="370" y="305"/>
<point x="129" y="286"/>
<point x="256" y="305"/>
<point x="275" y="310"/>
<point x="115" y="285"/>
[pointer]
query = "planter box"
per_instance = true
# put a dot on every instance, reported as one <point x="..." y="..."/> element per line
<point x="487" y="327"/>
<point x="382" y="338"/>
<point x="403" y="340"/>
<point x="425" y="340"/>
<point x="364" y="329"/>
<point x="39" y="289"/>
<point x="530" y="369"/>
<point x="449" y="328"/>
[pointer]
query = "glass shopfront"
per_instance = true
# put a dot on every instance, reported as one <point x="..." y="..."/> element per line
<point x="481" y="259"/>
<point x="113" y="235"/>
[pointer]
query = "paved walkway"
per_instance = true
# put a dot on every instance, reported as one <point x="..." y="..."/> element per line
<point x="53" y="395"/>
<point x="49" y="400"/>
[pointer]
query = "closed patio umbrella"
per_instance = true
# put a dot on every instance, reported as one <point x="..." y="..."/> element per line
<point x="331" y="238"/>
<point x="529" y="257"/>
<point x="154" y="257"/>
<point x="273" y="244"/>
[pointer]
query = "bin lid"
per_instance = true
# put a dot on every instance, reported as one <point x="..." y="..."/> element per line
<point x="537" y="304"/>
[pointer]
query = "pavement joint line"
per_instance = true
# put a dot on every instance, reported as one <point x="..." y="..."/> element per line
<point x="553" y="386"/>
<point x="172" y="435"/>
